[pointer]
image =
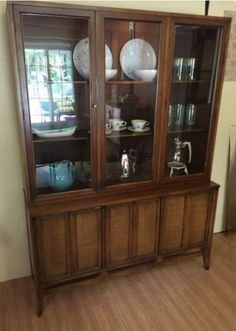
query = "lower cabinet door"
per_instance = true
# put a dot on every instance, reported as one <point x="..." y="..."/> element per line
<point x="146" y="228"/>
<point x="196" y="224"/>
<point x="184" y="221"/>
<point x="86" y="241"/>
<point x="118" y="235"/>
<point x="53" y="251"/>
<point x="172" y="223"/>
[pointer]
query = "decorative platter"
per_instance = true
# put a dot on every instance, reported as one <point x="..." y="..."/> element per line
<point x="81" y="57"/>
<point x="55" y="133"/>
<point x="137" y="54"/>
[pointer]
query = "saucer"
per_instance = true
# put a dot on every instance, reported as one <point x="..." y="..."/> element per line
<point x="130" y="128"/>
<point x="122" y="129"/>
<point x="108" y="131"/>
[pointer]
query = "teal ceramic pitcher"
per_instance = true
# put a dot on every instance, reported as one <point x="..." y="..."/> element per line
<point x="61" y="175"/>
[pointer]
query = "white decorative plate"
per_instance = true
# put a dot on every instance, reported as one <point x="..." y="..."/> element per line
<point x="65" y="132"/>
<point x="81" y="57"/>
<point x="137" y="54"/>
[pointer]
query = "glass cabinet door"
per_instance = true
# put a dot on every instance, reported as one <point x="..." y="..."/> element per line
<point x="191" y="99"/>
<point x="131" y="75"/>
<point x="57" y="61"/>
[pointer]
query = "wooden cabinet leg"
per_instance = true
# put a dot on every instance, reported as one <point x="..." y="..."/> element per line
<point x="206" y="259"/>
<point x="39" y="302"/>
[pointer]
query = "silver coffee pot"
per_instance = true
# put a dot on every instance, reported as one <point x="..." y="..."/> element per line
<point x="177" y="157"/>
<point x="128" y="163"/>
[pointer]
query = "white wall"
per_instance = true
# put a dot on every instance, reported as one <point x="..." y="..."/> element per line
<point x="14" y="261"/>
<point x="14" y="257"/>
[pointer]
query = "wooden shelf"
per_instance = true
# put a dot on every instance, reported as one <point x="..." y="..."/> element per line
<point x="127" y="133"/>
<point x="85" y="136"/>
<point x="133" y="82"/>
<point x="68" y="82"/>
<point x="77" y="136"/>
<point x="74" y="187"/>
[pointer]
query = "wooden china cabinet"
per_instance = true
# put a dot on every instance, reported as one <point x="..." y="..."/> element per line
<point x="117" y="113"/>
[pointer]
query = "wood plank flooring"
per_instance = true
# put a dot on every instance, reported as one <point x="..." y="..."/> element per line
<point x="174" y="295"/>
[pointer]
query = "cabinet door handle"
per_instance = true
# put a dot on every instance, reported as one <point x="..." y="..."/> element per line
<point x="97" y="208"/>
<point x="95" y="106"/>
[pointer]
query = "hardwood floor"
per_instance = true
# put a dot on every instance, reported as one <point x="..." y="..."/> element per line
<point x="175" y="295"/>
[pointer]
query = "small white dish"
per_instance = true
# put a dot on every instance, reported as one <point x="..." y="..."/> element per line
<point x="110" y="73"/>
<point x="130" y="128"/>
<point x="122" y="129"/>
<point x="145" y="74"/>
<point x="108" y="131"/>
<point x="55" y="133"/>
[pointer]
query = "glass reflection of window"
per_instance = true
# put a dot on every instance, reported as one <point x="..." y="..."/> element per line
<point x="50" y="87"/>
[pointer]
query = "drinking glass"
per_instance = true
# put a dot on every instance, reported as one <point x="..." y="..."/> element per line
<point x="179" y="115"/>
<point x="190" y="114"/>
<point x="178" y="68"/>
<point x="191" y="68"/>
<point x="171" y="116"/>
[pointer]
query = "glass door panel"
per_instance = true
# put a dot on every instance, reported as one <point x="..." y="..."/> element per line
<point x="57" y="61"/>
<point x="191" y="99"/>
<point x="131" y="71"/>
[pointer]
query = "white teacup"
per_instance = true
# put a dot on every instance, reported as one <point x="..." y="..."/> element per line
<point x="139" y="125"/>
<point x="117" y="124"/>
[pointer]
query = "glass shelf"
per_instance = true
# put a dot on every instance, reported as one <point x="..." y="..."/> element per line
<point x="185" y="130"/>
<point x="190" y="81"/>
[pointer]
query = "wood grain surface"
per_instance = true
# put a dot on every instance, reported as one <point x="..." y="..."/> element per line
<point x="176" y="295"/>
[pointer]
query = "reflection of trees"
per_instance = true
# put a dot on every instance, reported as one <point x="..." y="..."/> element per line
<point x="49" y="76"/>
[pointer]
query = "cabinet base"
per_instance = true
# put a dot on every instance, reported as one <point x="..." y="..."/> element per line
<point x="45" y="288"/>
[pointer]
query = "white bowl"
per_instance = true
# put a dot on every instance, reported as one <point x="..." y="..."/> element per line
<point x="55" y="133"/>
<point x="110" y="73"/>
<point x="145" y="74"/>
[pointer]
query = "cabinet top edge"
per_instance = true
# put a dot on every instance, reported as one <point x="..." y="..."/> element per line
<point x="104" y="10"/>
